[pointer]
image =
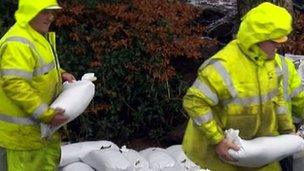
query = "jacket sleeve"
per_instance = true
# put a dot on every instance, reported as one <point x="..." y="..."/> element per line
<point x="17" y="65"/>
<point x="284" y="116"/>
<point x="197" y="102"/>
<point x="296" y="91"/>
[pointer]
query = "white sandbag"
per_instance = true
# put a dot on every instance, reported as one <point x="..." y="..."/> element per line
<point x="73" y="152"/>
<point x="145" y="169"/>
<point x="178" y="154"/>
<point x="74" y="99"/>
<point x="107" y="160"/>
<point x="263" y="150"/>
<point x="137" y="161"/>
<point x="176" y="167"/>
<point x="158" y="158"/>
<point x="77" y="166"/>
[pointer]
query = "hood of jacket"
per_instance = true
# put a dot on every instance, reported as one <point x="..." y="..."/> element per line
<point x="28" y="9"/>
<point x="264" y="22"/>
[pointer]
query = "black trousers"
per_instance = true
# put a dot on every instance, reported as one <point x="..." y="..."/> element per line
<point x="3" y="161"/>
<point x="286" y="163"/>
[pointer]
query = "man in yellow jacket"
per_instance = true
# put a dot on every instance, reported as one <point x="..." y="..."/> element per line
<point x="245" y="86"/>
<point x="30" y="80"/>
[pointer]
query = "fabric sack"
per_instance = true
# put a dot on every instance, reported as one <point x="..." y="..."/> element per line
<point x="158" y="158"/>
<point x="74" y="99"/>
<point x="77" y="166"/>
<point x="107" y="160"/>
<point x="73" y="152"/>
<point x="178" y="154"/>
<point x="137" y="161"/>
<point x="263" y="150"/>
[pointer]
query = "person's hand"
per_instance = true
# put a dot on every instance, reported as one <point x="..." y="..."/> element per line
<point x="67" y="77"/>
<point x="58" y="118"/>
<point x="222" y="149"/>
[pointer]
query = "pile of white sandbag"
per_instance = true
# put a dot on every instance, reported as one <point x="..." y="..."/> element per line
<point x="106" y="156"/>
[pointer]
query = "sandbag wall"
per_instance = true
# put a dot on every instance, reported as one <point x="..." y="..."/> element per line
<point x="107" y="156"/>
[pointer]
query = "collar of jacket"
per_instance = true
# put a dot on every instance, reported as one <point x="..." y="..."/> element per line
<point x="38" y="37"/>
<point x="255" y="54"/>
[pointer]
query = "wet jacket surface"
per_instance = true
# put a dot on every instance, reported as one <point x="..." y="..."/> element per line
<point x="239" y="88"/>
<point x="30" y="80"/>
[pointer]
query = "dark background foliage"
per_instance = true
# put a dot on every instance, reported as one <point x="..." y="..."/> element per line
<point x="142" y="53"/>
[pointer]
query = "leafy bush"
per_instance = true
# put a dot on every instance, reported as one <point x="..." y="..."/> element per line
<point x="145" y="55"/>
<point x="7" y="9"/>
<point x="295" y="43"/>
<point x="139" y="50"/>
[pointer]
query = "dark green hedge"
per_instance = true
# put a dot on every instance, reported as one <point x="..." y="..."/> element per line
<point x="145" y="55"/>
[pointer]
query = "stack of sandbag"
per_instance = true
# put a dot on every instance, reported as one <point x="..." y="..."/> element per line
<point x="77" y="166"/>
<point x="180" y="157"/>
<point x="159" y="159"/>
<point x="106" y="156"/>
<point x="107" y="160"/>
<point x="74" y="99"/>
<point x="71" y="153"/>
<point x="136" y="160"/>
<point x="263" y="150"/>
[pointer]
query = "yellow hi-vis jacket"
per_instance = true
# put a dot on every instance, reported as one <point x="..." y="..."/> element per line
<point x="239" y="88"/>
<point x="30" y="80"/>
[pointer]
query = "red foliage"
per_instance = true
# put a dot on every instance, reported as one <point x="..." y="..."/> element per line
<point x="163" y="27"/>
<point x="295" y="43"/>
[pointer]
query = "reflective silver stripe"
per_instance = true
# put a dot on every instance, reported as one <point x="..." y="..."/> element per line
<point x="270" y="95"/>
<point x="285" y="78"/>
<point x="282" y="110"/>
<point x="40" y="110"/>
<point x="44" y="69"/>
<point x="207" y="62"/>
<point x="205" y="89"/>
<point x="21" y="40"/>
<point x="28" y="75"/>
<point x="278" y="71"/>
<point x="296" y="91"/>
<point x="17" y="120"/>
<point x="26" y="42"/>
<point x="16" y="72"/>
<point x="226" y="77"/>
<point x="203" y="119"/>
<point x="252" y="100"/>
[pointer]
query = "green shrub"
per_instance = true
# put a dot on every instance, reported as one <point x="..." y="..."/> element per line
<point x="145" y="55"/>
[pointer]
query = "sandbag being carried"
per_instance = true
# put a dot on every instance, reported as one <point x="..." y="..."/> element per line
<point x="74" y="99"/>
<point x="73" y="152"/>
<point x="107" y="160"/>
<point x="263" y="150"/>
